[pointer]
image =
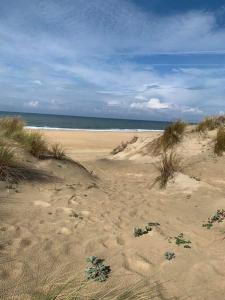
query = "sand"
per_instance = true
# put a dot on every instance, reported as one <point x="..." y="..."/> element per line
<point x="48" y="229"/>
<point x="90" y="145"/>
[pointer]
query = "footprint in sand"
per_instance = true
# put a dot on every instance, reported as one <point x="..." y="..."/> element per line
<point x="25" y="243"/>
<point x="120" y="241"/>
<point x="85" y="212"/>
<point x="137" y="263"/>
<point x="68" y="211"/>
<point x="65" y="210"/>
<point x="65" y="230"/>
<point x="42" y="203"/>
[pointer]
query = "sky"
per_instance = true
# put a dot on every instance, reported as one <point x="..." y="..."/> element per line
<point x="135" y="59"/>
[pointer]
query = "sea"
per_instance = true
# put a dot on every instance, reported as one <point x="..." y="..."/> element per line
<point x="56" y="122"/>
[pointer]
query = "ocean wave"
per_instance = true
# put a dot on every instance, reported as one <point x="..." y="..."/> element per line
<point x="95" y="130"/>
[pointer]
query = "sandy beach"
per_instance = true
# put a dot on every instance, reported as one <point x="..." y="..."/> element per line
<point x="49" y="229"/>
<point x="91" y="145"/>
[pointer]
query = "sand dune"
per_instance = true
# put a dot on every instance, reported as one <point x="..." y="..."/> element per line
<point x="48" y="229"/>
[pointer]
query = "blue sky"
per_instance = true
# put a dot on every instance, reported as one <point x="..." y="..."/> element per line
<point x="140" y="59"/>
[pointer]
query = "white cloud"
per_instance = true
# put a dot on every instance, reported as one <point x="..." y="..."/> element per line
<point x="140" y="97"/>
<point x="38" y="82"/>
<point x="33" y="103"/>
<point x="153" y="103"/>
<point x="192" y="110"/>
<point x="113" y="103"/>
<point x="103" y="65"/>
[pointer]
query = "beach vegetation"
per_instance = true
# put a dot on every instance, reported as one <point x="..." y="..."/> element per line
<point x="32" y="141"/>
<point x="72" y="289"/>
<point x="138" y="231"/>
<point x="169" y="165"/>
<point x="210" y="123"/>
<point x="219" y="146"/>
<point x="98" y="271"/>
<point x="10" y="125"/>
<point x="171" y="136"/>
<point x="180" y="240"/>
<point x="6" y="162"/>
<point x="57" y="151"/>
<point x="218" y="217"/>
<point x="36" y="144"/>
<point x="169" y="255"/>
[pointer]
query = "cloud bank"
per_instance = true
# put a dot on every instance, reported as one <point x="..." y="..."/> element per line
<point x="110" y="58"/>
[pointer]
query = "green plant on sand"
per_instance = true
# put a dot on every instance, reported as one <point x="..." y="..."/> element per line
<point x="169" y="255"/>
<point x="218" y="217"/>
<point x="180" y="240"/>
<point x="138" y="231"/>
<point x="98" y="271"/>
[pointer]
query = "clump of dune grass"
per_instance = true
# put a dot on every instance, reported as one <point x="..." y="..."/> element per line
<point x="10" y="125"/>
<point x="6" y="161"/>
<point x="32" y="141"/>
<point x="171" y="136"/>
<point x="9" y="169"/>
<point x="169" y="165"/>
<point x="36" y="144"/>
<point x="13" y="171"/>
<point x="219" y="146"/>
<point x="57" y="151"/>
<point x="210" y="123"/>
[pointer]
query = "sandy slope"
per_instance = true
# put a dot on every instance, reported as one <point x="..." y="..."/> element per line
<point x="47" y="230"/>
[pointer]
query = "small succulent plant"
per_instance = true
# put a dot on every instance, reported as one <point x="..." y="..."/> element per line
<point x="169" y="255"/>
<point x="218" y="217"/>
<point x="180" y="240"/>
<point x="98" y="271"/>
<point x="75" y="215"/>
<point x="138" y="231"/>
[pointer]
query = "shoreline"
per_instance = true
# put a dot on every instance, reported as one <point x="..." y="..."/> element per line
<point x="93" y="130"/>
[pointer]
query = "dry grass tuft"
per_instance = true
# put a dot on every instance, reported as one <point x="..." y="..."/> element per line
<point x="219" y="146"/>
<point x="11" y="125"/>
<point x="36" y="144"/>
<point x="210" y="123"/>
<point x="172" y="135"/>
<point x="170" y="164"/>
<point x="6" y="162"/>
<point x="57" y="151"/>
<point x="13" y="171"/>
<point x="33" y="142"/>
